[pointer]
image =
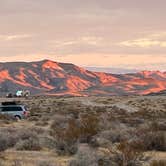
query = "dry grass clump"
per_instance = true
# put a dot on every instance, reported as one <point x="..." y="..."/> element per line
<point x="45" y="163"/>
<point x="3" y="143"/>
<point x="87" y="156"/>
<point x="69" y="132"/>
<point x="22" y="139"/>
<point x="65" y="132"/>
<point x="17" y="163"/>
<point x="128" y="154"/>
<point x="155" y="141"/>
<point x="89" y="126"/>
<point x="30" y="143"/>
<point x="7" y="140"/>
<point x="4" y="118"/>
<point x="158" y="163"/>
<point x="152" y="138"/>
<point x="123" y="155"/>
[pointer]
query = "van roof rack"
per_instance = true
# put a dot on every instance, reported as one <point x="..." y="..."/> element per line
<point x="9" y="103"/>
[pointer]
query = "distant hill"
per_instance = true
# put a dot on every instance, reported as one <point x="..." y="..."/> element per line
<point x="112" y="70"/>
<point x="161" y="93"/>
<point x="49" y="77"/>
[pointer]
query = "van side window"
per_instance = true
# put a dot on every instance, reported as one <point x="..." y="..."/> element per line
<point x="4" y="109"/>
<point x="10" y="109"/>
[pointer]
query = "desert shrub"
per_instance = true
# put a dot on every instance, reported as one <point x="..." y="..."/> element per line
<point x="41" y="123"/>
<point x="48" y="142"/>
<point x="89" y="126"/>
<point x="157" y="126"/>
<point x="25" y="133"/>
<point x="28" y="140"/>
<point x="64" y="147"/>
<point x="154" y="141"/>
<point x="117" y="132"/>
<point x="45" y="163"/>
<point x="158" y="163"/>
<point x="35" y="112"/>
<point x="74" y="111"/>
<point x="3" y="143"/>
<point x="36" y="130"/>
<point x="127" y="154"/>
<point x="33" y="118"/>
<point x="21" y="139"/>
<point x="152" y="136"/>
<point x="66" y="139"/>
<point x="6" y="118"/>
<point x="7" y="140"/>
<point x="1" y="163"/>
<point x="98" y="141"/>
<point x="68" y="132"/>
<point x="17" y="163"/>
<point x="104" y="123"/>
<point x="31" y="143"/>
<point x="59" y="122"/>
<point x="87" y="156"/>
<point x="116" y="135"/>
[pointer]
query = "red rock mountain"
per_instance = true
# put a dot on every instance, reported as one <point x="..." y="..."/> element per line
<point x="48" y="77"/>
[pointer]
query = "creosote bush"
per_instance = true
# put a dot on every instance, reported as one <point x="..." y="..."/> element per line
<point x="128" y="154"/>
<point x="158" y="163"/>
<point x="152" y="137"/>
<point x="26" y="139"/>
<point x="74" y="131"/>
<point x="155" y="141"/>
<point x="7" y="140"/>
<point x="45" y="163"/>
<point x="30" y="144"/>
<point x="89" y="126"/>
<point x="29" y="140"/>
<point x="85" y="157"/>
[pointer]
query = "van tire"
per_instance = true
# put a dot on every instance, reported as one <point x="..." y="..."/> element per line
<point x="18" y="117"/>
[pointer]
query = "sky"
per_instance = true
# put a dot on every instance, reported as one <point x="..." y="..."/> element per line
<point x="102" y="33"/>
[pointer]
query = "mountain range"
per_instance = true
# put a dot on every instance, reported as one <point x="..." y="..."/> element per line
<point x="112" y="70"/>
<point x="51" y="78"/>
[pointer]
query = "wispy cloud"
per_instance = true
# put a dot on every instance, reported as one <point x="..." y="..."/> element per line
<point x="154" y="40"/>
<point x="14" y="37"/>
<point x="88" y="40"/>
<point x="145" y="43"/>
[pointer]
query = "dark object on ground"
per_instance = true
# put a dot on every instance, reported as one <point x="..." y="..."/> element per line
<point x="9" y="103"/>
<point x="9" y="95"/>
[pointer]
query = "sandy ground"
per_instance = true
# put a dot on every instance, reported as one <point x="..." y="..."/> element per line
<point x="120" y="105"/>
<point x="31" y="158"/>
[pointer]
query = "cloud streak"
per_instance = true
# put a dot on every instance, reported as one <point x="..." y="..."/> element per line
<point x="144" y="43"/>
<point x="153" y="40"/>
<point x="14" y="37"/>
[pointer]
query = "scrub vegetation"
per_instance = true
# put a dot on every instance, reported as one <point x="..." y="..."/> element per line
<point x="86" y="131"/>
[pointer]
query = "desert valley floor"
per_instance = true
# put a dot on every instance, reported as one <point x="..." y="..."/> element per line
<point x="86" y="131"/>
